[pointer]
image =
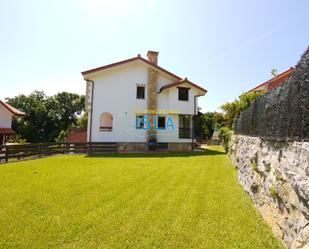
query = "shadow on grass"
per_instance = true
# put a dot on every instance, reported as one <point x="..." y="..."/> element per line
<point x="203" y="152"/>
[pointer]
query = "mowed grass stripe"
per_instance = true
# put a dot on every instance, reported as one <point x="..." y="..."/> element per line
<point x="180" y="200"/>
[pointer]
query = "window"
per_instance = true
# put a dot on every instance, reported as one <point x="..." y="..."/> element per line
<point x="184" y="126"/>
<point x="106" y="122"/>
<point x="161" y="123"/>
<point x="140" y="122"/>
<point x="183" y="93"/>
<point x="140" y="92"/>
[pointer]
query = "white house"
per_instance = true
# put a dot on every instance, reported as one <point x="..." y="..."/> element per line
<point x="138" y="104"/>
<point x="7" y="112"/>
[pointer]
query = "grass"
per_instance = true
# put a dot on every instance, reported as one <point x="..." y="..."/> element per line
<point x="180" y="200"/>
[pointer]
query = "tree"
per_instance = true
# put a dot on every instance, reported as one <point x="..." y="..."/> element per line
<point x="61" y="137"/>
<point x="219" y="119"/>
<point x="208" y="124"/>
<point x="274" y="72"/>
<point x="204" y="125"/>
<point x="46" y="116"/>
<point x="232" y="110"/>
<point x="33" y="126"/>
<point x="64" y="108"/>
<point x="82" y="120"/>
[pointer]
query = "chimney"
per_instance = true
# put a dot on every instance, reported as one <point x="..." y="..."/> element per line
<point x="153" y="57"/>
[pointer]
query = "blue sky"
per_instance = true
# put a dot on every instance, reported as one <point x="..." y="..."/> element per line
<point x="225" y="46"/>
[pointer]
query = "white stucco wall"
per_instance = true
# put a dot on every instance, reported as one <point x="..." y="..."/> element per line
<point x="5" y="118"/>
<point x="185" y="107"/>
<point x="115" y="92"/>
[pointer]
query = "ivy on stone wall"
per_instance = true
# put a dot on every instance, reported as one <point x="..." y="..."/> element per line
<point x="282" y="113"/>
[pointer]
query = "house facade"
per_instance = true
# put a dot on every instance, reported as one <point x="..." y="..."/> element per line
<point x="135" y="103"/>
<point x="7" y="112"/>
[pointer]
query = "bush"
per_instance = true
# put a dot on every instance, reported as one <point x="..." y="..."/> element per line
<point x="225" y="135"/>
<point x="16" y="139"/>
<point x="61" y="137"/>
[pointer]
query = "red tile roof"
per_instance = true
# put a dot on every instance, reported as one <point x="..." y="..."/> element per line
<point x="181" y="82"/>
<point x="276" y="81"/>
<point x="137" y="58"/>
<point x="77" y="135"/>
<point x="13" y="110"/>
<point x="6" y="131"/>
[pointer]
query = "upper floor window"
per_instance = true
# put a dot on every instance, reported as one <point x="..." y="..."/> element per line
<point x="106" y="122"/>
<point x="183" y="93"/>
<point x="140" y="92"/>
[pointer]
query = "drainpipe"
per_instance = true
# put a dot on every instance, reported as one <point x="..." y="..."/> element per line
<point x="91" y="112"/>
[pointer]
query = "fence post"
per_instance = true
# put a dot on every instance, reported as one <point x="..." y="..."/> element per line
<point x="39" y="149"/>
<point x="64" y="147"/>
<point x="90" y="147"/>
<point x="6" y="154"/>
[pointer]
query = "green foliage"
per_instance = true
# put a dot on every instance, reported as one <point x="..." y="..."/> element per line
<point x="82" y="120"/>
<point x="225" y="135"/>
<point x="205" y="124"/>
<point x="274" y="72"/>
<point x="61" y="137"/>
<point x="233" y="109"/>
<point x="273" y="192"/>
<point x="129" y="201"/>
<point x="219" y="119"/>
<point x="15" y="139"/>
<point x="254" y="167"/>
<point x="46" y="116"/>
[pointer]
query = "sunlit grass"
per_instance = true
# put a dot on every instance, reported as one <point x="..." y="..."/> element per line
<point x="128" y="201"/>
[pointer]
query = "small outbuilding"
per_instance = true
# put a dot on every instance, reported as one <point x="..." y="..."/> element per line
<point x="7" y="112"/>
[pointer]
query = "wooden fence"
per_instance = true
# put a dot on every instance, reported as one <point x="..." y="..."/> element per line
<point x="26" y="151"/>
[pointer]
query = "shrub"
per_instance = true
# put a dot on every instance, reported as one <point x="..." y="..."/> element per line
<point x="225" y="135"/>
<point x="61" y="137"/>
<point x="16" y="139"/>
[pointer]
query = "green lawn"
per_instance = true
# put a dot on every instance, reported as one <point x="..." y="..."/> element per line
<point x="146" y="201"/>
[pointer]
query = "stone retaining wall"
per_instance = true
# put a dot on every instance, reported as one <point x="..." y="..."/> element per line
<point x="276" y="176"/>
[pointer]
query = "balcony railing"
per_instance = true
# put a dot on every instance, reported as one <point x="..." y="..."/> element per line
<point x="185" y="132"/>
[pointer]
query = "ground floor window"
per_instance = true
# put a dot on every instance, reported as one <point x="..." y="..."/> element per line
<point x="106" y="122"/>
<point x="161" y="122"/>
<point x="184" y="126"/>
<point x="140" y="122"/>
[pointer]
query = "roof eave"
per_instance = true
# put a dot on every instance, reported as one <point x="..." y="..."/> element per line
<point x="94" y="70"/>
<point x="182" y="82"/>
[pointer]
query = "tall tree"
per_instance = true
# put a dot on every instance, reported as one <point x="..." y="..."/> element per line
<point x="231" y="110"/>
<point x="82" y="120"/>
<point x="274" y="72"/>
<point x="46" y="116"/>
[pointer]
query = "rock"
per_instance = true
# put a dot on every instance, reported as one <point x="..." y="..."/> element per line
<point x="282" y="167"/>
